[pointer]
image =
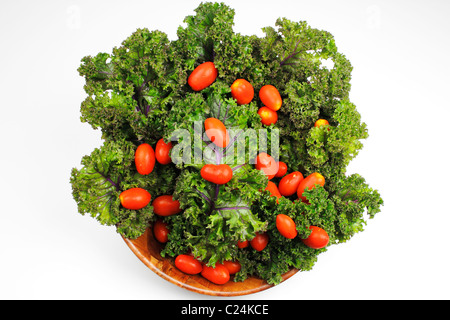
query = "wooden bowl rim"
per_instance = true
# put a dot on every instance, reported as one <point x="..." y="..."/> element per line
<point x="147" y="249"/>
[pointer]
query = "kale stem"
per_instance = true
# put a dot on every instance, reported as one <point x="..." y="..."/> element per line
<point x="226" y="114"/>
<point x="105" y="195"/>
<point x="233" y="208"/>
<point x="291" y="55"/>
<point x="217" y="193"/>
<point x="110" y="181"/>
<point x="224" y="152"/>
<point x="237" y="167"/>
<point x="218" y="111"/>
<point x="106" y="73"/>
<point x="204" y="196"/>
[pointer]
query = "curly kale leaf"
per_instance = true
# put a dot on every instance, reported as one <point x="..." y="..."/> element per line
<point x="96" y="186"/>
<point x="185" y="126"/>
<point x="215" y="217"/>
<point x="327" y="149"/>
<point x="282" y="254"/>
<point x="196" y="42"/>
<point x="97" y="72"/>
<point x="139" y="93"/>
<point x="131" y="90"/>
<point x="311" y="88"/>
<point x="345" y="138"/>
<point x="108" y="171"/>
<point x="340" y="214"/>
<point x="232" y="206"/>
<point x="353" y="199"/>
<point x="209" y="36"/>
<point x="111" y="112"/>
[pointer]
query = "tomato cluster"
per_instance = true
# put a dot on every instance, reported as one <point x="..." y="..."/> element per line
<point x="219" y="274"/>
<point x="289" y="184"/>
<point x="242" y="91"/>
<point x="145" y="159"/>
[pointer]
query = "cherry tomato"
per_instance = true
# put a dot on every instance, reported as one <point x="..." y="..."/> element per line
<point x="273" y="189"/>
<point x="268" y="116"/>
<point x="260" y="241"/>
<point x="242" y="244"/>
<point x="270" y="97"/>
<point x="289" y="184"/>
<point x="217" y="132"/>
<point x="321" y="122"/>
<point x="166" y="206"/>
<point x="318" y="238"/>
<point x="202" y="76"/>
<point x="309" y="183"/>
<point x="135" y="198"/>
<point x="242" y="91"/>
<point x="162" y="152"/>
<point x="232" y="266"/>
<point x="267" y="164"/>
<point x="188" y="264"/>
<point x="218" y="274"/>
<point x="161" y="231"/>
<point x="286" y="226"/>
<point x="144" y="159"/>
<point x="218" y="174"/>
<point x="282" y="169"/>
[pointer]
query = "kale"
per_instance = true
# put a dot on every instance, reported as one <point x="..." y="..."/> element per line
<point x="139" y="93"/>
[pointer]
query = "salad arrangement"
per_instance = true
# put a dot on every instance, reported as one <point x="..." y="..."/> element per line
<point x="233" y="149"/>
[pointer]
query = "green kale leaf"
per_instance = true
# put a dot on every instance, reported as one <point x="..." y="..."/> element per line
<point x="139" y="93"/>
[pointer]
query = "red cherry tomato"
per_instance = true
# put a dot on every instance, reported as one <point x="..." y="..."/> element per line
<point x="161" y="231"/>
<point x="289" y="184"/>
<point x="217" y="132"/>
<point x="144" y="159"/>
<point x="218" y="274"/>
<point x="242" y="244"/>
<point x="321" y="122"/>
<point x="268" y="116"/>
<point x="202" y="76"/>
<point x="218" y="174"/>
<point x="286" y="226"/>
<point x="273" y="189"/>
<point x="166" y="206"/>
<point x="267" y="164"/>
<point x="309" y="183"/>
<point x="260" y="241"/>
<point x="162" y="152"/>
<point x="282" y="169"/>
<point x="270" y="97"/>
<point x="242" y="91"/>
<point x="135" y="198"/>
<point x="318" y="238"/>
<point x="232" y="266"/>
<point x="188" y="264"/>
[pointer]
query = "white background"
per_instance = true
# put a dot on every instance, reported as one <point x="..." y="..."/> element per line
<point x="399" y="51"/>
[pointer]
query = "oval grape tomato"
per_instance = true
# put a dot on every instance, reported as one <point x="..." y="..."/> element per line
<point x="218" y="174"/>
<point x="144" y="159"/>
<point x="166" y="206"/>
<point x="162" y="152"/>
<point x="202" y="76"/>
<point x="242" y="91"/>
<point x="135" y="198"/>
<point x="188" y="264"/>
<point x="270" y="97"/>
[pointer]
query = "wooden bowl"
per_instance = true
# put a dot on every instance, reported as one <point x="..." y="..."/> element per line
<point x="147" y="249"/>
